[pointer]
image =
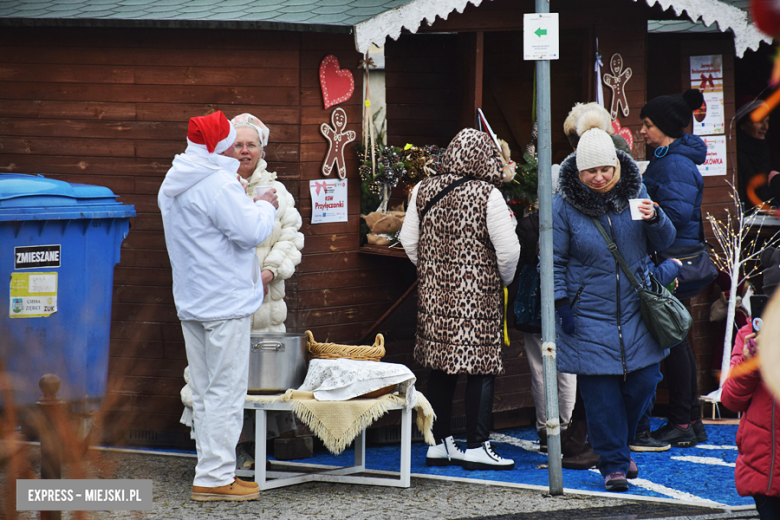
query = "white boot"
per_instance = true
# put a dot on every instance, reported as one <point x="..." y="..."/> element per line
<point x="446" y="453"/>
<point x="485" y="458"/>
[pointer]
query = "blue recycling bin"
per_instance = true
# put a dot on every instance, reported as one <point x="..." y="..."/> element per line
<point x="60" y="243"/>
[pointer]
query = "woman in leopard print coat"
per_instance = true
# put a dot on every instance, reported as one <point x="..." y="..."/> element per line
<point x="465" y="248"/>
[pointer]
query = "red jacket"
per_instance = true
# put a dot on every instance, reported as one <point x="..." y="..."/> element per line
<point x="758" y="436"/>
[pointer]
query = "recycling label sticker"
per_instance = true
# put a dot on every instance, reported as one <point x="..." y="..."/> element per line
<point x="33" y="295"/>
<point x="31" y="257"/>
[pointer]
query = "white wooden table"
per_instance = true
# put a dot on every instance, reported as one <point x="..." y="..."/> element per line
<point x="344" y="475"/>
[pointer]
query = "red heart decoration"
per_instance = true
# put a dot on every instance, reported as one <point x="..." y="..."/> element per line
<point x="625" y="133"/>
<point x="337" y="84"/>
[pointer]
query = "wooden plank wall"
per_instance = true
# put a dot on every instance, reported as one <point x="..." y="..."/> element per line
<point x="111" y="107"/>
<point x="422" y="89"/>
<point x="341" y="292"/>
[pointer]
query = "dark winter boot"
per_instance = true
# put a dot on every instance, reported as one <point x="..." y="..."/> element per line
<point x="586" y="459"/>
<point x="573" y="438"/>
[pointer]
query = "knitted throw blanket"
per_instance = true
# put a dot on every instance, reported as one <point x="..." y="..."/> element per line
<point x="337" y="423"/>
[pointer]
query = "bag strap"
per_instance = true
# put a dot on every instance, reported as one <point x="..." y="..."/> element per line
<point x="614" y="250"/>
<point x="441" y="194"/>
<point x="701" y="228"/>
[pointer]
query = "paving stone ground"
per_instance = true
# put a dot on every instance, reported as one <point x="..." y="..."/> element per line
<point x="426" y="498"/>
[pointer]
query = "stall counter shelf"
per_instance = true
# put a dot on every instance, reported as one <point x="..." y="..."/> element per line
<point x="397" y="252"/>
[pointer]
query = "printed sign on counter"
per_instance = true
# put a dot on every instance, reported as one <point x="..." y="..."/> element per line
<point x="33" y="295"/>
<point x="715" y="163"/>
<point x="707" y="76"/>
<point x="328" y="201"/>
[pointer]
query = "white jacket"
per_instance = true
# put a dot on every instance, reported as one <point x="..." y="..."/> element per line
<point x="500" y="225"/>
<point x="279" y="253"/>
<point x="211" y="230"/>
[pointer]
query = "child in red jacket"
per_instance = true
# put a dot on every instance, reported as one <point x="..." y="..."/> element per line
<point x="757" y="473"/>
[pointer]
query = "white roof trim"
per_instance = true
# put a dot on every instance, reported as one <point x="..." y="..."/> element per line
<point x="410" y="16"/>
<point x="727" y="16"/>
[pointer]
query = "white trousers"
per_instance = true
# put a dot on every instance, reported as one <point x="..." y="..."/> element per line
<point x="218" y="354"/>
<point x="567" y="384"/>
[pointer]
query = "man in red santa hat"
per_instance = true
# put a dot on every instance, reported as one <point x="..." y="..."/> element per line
<point x="211" y="231"/>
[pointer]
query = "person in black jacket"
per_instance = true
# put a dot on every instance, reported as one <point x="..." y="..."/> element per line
<point x="754" y="161"/>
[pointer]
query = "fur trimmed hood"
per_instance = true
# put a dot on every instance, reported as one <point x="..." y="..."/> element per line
<point x="593" y="204"/>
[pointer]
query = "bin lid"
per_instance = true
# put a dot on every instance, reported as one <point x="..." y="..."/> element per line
<point x="35" y="197"/>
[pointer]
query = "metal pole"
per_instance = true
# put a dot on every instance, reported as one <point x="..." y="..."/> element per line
<point x="546" y="260"/>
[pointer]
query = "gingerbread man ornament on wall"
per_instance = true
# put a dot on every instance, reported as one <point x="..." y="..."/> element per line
<point x="338" y="139"/>
<point x="617" y="82"/>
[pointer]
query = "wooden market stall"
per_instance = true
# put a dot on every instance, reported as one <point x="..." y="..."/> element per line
<point x="104" y="96"/>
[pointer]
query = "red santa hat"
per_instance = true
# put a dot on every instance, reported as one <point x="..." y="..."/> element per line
<point x="212" y="132"/>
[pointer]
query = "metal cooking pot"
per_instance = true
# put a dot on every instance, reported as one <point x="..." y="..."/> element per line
<point x="277" y="362"/>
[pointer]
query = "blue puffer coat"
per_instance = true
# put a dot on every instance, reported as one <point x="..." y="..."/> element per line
<point x="674" y="182"/>
<point x="610" y="337"/>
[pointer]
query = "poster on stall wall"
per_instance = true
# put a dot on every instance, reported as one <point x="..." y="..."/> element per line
<point x="328" y="201"/>
<point x="707" y="76"/>
<point x="715" y="163"/>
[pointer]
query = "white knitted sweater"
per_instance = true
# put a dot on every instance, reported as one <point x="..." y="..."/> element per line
<point x="280" y="252"/>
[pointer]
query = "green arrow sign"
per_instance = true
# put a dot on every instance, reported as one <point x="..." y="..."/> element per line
<point x="540" y="32"/>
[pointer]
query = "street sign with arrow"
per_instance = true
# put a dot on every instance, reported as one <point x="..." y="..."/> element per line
<point x="540" y="36"/>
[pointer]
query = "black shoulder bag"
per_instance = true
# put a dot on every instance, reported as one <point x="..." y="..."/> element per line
<point x="698" y="271"/>
<point x="666" y="317"/>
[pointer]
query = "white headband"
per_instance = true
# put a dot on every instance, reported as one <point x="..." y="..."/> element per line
<point x="248" y="119"/>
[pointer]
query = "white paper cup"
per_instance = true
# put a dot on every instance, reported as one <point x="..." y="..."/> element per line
<point x="634" y="205"/>
<point x="260" y="190"/>
<point x="642" y="166"/>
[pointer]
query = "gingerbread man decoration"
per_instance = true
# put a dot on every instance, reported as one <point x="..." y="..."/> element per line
<point x="338" y="140"/>
<point x="617" y="82"/>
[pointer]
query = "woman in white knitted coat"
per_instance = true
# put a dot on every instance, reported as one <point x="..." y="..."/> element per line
<point x="281" y="251"/>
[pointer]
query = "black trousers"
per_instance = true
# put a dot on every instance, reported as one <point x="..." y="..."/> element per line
<point x="683" y="384"/>
<point x="768" y="507"/>
<point x="578" y="412"/>
<point x="479" y="405"/>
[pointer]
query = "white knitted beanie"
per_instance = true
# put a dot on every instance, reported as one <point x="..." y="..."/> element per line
<point x="595" y="147"/>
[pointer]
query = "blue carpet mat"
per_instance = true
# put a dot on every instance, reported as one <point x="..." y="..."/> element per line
<point x="703" y="475"/>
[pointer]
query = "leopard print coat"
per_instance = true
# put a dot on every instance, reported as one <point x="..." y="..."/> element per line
<point x="460" y="307"/>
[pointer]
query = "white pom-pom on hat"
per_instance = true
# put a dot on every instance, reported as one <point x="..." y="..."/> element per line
<point x="595" y="147"/>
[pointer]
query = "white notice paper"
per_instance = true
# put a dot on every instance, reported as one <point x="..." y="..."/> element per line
<point x="715" y="163"/>
<point x="328" y="201"/>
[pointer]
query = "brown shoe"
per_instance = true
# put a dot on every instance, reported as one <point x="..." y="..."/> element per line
<point x="586" y="459"/>
<point x="247" y="483"/>
<point x="234" y="492"/>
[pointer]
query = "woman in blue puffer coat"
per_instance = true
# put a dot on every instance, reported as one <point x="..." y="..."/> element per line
<point x="674" y="182"/>
<point x="602" y="337"/>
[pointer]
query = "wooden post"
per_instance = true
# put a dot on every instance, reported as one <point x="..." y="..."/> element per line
<point x="51" y="443"/>
<point x="472" y="47"/>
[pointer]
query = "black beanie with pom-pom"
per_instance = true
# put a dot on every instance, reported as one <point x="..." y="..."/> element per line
<point x="673" y="113"/>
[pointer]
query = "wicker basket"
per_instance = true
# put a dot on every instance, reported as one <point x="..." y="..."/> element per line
<point x="357" y="352"/>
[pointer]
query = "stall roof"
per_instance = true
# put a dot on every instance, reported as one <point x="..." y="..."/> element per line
<point x="371" y="21"/>
<point x="731" y="14"/>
